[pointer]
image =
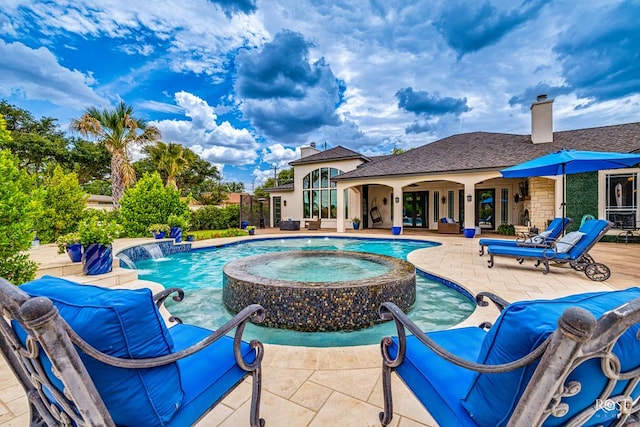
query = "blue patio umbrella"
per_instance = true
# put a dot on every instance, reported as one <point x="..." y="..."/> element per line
<point x="565" y="162"/>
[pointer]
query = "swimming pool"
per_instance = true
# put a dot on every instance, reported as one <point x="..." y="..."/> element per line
<point x="199" y="273"/>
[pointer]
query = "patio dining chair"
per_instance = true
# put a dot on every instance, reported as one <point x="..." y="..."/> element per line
<point x="573" y="248"/>
<point x="543" y="362"/>
<point x="543" y="239"/>
<point x="93" y="356"/>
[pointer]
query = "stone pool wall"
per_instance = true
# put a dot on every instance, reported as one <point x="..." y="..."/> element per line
<point x="319" y="306"/>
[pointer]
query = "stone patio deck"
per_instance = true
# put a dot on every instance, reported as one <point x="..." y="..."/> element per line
<point x="341" y="386"/>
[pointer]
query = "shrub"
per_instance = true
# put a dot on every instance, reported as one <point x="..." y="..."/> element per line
<point x="215" y="218"/>
<point x="158" y="228"/>
<point x="149" y="202"/>
<point x="66" y="240"/>
<point x="507" y="229"/>
<point x="177" y="221"/>
<point x="63" y="206"/>
<point x="20" y="206"/>
<point x="98" y="230"/>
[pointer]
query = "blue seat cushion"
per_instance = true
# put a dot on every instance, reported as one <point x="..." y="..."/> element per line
<point x="519" y="329"/>
<point x="438" y="384"/>
<point x="206" y="376"/>
<point x="122" y="323"/>
<point x="525" y="252"/>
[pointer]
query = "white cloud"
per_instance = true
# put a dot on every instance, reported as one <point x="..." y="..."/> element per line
<point x="48" y="80"/>
<point x="217" y="143"/>
<point x="280" y="156"/>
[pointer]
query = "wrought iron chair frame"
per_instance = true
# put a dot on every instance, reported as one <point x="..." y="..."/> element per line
<point x="578" y="338"/>
<point x="80" y="402"/>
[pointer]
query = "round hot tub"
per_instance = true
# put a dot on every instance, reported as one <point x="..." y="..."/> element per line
<point x="315" y="291"/>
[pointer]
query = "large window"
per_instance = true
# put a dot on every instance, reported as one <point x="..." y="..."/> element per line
<point x="319" y="193"/>
<point x="621" y="203"/>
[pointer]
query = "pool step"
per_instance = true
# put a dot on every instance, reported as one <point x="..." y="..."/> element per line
<point x="119" y="277"/>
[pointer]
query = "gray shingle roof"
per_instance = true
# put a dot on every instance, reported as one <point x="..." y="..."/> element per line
<point x="336" y="153"/>
<point x="492" y="151"/>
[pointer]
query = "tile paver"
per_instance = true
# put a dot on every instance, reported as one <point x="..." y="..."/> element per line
<point x="342" y="386"/>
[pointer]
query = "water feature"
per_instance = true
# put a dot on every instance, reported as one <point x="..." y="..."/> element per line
<point x="199" y="273"/>
<point x="154" y="251"/>
<point x="128" y="262"/>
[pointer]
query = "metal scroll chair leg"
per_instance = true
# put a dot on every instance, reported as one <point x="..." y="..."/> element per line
<point x="481" y="252"/>
<point x="581" y="263"/>
<point x="490" y="262"/>
<point x="387" y="415"/>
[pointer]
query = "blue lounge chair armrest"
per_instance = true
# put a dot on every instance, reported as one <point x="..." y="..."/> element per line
<point x="495" y="299"/>
<point x="160" y="297"/>
<point x="389" y="310"/>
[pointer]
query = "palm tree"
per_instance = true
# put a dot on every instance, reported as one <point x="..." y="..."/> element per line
<point x="170" y="159"/>
<point x="119" y="130"/>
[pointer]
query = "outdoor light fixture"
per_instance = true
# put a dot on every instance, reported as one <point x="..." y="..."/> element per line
<point x="468" y="197"/>
<point x="397" y="199"/>
<point x="284" y="202"/>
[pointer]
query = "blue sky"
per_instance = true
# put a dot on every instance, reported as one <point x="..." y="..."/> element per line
<point x="245" y="83"/>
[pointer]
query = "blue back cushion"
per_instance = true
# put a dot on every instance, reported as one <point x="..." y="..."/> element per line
<point x="521" y="327"/>
<point x="122" y="323"/>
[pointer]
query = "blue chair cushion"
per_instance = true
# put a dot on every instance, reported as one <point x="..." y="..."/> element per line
<point x="206" y="376"/>
<point x="521" y="327"/>
<point x="122" y="323"/>
<point x="440" y="385"/>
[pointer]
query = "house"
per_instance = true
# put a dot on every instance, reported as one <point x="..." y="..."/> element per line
<point x="459" y="177"/>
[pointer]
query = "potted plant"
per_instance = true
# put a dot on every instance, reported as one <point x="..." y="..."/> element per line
<point x="159" y="230"/>
<point x="96" y="237"/>
<point x="251" y="229"/>
<point x="70" y="243"/>
<point x="176" y="225"/>
<point x="355" y="222"/>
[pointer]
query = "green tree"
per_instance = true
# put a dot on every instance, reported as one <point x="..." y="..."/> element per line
<point x="170" y="159"/>
<point x="91" y="161"/>
<point x="119" y="130"/>
<point x="19" y="208"/>
<point x="37" y="143"/>
<point x="149" y="202"/>
<point x="285" y="176"/>
<point x="64" y="203"/>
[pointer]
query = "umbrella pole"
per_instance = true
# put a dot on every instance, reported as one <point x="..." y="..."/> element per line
<point x="564" y="204"/>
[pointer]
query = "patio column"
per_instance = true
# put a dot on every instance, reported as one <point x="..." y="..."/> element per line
<point x="341" y="209"/>
<point x="397" y="206"/>
<point x="469" y="206"/>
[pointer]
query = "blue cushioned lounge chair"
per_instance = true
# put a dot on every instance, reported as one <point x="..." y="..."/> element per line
<point x="572" y="248"/>
<point x="92" y="356"/>
<point x="544" y="362"/>
<point x="552" y="232"/>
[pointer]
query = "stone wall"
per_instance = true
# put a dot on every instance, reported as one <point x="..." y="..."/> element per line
<point x="541" y="201"/>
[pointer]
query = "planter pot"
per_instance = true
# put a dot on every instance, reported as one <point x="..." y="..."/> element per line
<point x="396" y="230"/>
<point x="190" y="238"/>
<point x="159" y="234"/>
<point x="97" y="259"/>
<point x="356" y="225"/>
<point x="176" y="234"/>
<point x="252" y="232"/>
<point x="75" y="252"/>
<point x="469" y="232"/>
<point x="244" y="224"/>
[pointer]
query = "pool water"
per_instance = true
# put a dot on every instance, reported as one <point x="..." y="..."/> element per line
<point x="199" y="274"/>
<point x="320" y="269"/>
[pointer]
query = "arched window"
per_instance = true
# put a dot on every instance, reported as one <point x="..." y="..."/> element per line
<point x="319" y="193"/>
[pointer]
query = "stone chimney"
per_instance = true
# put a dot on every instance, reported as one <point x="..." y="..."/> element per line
<point x="542" y="120"/>
<point x="306" y="151"/>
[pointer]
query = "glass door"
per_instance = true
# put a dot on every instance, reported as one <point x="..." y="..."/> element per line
<point x="277" y="211"/>
<point x="486" y="208"/>
<point x="415" y="208"/>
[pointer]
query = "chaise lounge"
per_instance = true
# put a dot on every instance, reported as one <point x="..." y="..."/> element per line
<point x="544" y="239"/>
<point x="543" y="362"/>
<point x="573" y="248"/>
<point x="93" y="356"/>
